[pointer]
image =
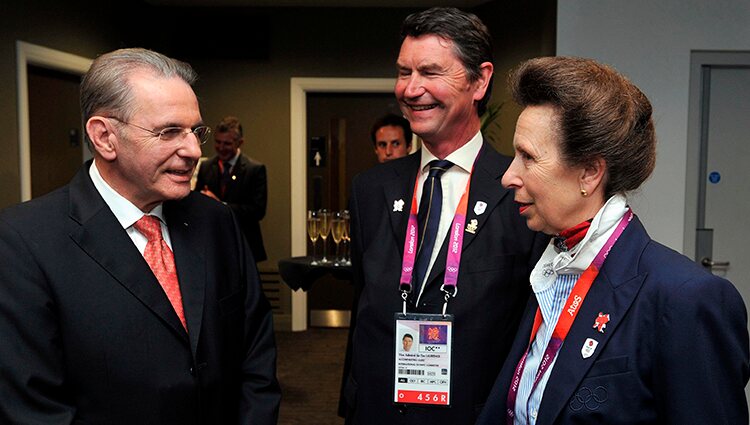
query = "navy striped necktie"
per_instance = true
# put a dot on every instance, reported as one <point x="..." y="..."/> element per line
<point x="428" y="216"/>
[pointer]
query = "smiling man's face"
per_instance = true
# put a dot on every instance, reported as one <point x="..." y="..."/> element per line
<point x="434" y="91"/>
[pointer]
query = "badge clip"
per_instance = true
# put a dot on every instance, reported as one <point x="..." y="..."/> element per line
<point x="450" y="292"/>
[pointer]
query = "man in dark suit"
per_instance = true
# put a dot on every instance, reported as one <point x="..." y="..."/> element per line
<point x="445" y="71"/>
<point x="238" y="181"/>
<point x="125" y="297"/>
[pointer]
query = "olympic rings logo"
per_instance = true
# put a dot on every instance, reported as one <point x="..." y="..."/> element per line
<point x="588" y="399"/>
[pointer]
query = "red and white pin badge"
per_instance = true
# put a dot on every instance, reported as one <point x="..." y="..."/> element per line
<point x="589" y="346"/>
<point x="601" y="322"/>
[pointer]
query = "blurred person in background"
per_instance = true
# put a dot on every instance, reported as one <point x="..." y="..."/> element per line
<point x="391" y="137"/>
<point x="238" y="181"/>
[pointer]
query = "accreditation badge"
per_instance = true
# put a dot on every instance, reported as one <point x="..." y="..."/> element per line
<point x="423" y="350"/>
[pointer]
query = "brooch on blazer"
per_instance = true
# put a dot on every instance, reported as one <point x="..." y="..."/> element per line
<point x="398" y="205"/>
<point x="472" y="226"/>
<point x="601" y="322"/>
<point x="479" y="207"/>
<point x="589" y="346"/>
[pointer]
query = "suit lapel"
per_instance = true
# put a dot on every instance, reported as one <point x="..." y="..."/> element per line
<point x="486" y="192"/>
<point x="517" y="350"/>
<point x="191" y="268"/>
<point x="398" y="191"/>
<point x="612" y="293"/>
<point x="484" y="195"/>
<point x="99" y="234"/>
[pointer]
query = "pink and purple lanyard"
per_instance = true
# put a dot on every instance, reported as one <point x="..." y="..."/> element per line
<point x="455" y="245"/>
<point x="564" y="323"/>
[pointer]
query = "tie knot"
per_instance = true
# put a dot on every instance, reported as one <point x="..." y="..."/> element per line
<point x="150" y="227"/>
<point x="438" y="167"/>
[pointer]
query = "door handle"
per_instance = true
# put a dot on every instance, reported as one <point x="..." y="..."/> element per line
<point x="707" y="262"/>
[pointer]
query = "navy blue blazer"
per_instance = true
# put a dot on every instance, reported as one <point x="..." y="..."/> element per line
<point x="492" y="290"/>
<point x="87" y="334"/>
<point x="675" y="350"/>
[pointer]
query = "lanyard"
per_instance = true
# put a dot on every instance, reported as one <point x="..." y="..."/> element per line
<point x="565" y="321"/>
<point x="456" y="234"/>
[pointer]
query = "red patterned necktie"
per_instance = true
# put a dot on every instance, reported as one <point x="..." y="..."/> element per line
<point x="161" y="260"/>
<point x="225" y="169"/>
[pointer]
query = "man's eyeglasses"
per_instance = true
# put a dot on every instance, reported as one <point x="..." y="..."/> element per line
<point x="170" y="134"/>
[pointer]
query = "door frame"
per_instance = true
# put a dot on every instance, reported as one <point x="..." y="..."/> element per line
<point x="701" y="62"/>
<point x="32" y="54"/>
<point x="299" y="88"/>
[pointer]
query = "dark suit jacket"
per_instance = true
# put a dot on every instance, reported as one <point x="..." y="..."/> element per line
<point x="675" y="350"/>
<point x="246" y="194"/>
<point x="89" y="337"/>
<point x="492" y="290"/>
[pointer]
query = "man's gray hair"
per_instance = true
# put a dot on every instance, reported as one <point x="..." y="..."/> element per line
<point x="105" y="88"/>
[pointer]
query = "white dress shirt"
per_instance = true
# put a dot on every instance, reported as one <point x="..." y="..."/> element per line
<point x="127" y="213"/>
<point x="453" y="183"/>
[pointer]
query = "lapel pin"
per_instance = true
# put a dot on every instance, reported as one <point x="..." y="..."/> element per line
<point x="472" y="226"/>
<point x="479" y="207"/>
<point x="398" y="206"/>
<point x="589" y="346"/>
<point x="601" y="322"/>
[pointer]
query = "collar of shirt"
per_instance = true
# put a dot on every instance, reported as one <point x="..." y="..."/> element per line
<point x="233" y="160"/>
<point x="125" y="211"/>
<point x="462" y="157"/>
<point x="575" y="261"/>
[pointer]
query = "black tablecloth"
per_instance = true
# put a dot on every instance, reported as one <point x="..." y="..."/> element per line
<point x="298" y="273"/>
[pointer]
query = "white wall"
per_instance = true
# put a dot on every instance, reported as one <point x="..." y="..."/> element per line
<point x="650" y="42"/>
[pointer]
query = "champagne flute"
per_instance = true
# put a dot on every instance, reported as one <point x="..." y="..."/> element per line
<point x="313" y="224"/>
<point x="337" y="232"/>
<point x="346" y="239"/>
<point x="323" y="230"/>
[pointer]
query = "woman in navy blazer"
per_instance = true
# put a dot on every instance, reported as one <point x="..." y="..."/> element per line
<point x="619" y="329"/>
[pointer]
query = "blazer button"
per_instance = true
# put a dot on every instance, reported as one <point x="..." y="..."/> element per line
<point x="192" y="371"/>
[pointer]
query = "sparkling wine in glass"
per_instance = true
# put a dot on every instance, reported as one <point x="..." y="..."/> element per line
<point x="346" y="239"/>
<point x="323" y="230"/>
<point x="313" y="232"/>
<point x="337" y="232"/>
